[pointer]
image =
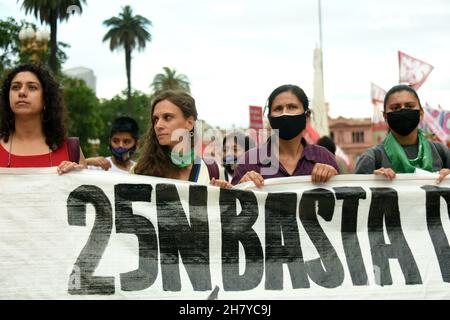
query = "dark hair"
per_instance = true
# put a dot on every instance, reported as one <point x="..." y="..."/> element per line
<point x="326" y="142"/>
<point x="181" y="99"/>
<point x="399" y="88"/>
<point x="125" y="124"/>
<point x="240" y="138"/>
<point x="296" y="90"/>
<point x="154" y="160"/>
<point x="53" y="115"/>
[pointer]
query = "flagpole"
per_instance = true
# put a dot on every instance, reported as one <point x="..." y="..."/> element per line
<point x="320" y="23"/>
<point x="320" y="44"/>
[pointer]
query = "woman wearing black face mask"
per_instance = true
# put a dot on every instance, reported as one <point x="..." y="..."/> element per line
<point x="288" y="154"/>
<point x="405" y="148"/>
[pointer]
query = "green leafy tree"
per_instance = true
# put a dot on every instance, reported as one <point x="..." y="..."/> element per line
<point x="115" y="107"/>
<point x="169" y="79"/>
<point x="83" y="117"/>
<point x="50" y="12"/>
<point x="10" y="54"/>
<point x="9" y="43"/>
<point x="128" y="32"/>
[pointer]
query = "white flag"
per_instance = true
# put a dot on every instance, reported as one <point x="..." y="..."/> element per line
<point x="413" y="71"/>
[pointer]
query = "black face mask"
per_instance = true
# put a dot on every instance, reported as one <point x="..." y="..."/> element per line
<point x="403" y="121"/>
<point x="288" y="126"/>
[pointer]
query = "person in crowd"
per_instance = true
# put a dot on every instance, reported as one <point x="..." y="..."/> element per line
<point x="32" y="131"/>
<point x="287" y="112"/>
<point x="327" y="142"/>
<point x="234" y="145"/>
<point x="123" y="141"/>
<point x="405" y="148"/>
<point x="168" y="148"/>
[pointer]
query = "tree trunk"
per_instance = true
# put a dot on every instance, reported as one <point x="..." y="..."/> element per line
<point x="128" y="67"/>
<point x="53" y="43"/>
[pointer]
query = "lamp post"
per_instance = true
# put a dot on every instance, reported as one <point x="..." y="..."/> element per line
<point x="94" y="145"/>
<point x="34" y="42"/>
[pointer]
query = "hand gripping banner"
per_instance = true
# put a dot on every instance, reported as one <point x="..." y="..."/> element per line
<point x="100" y="235"/>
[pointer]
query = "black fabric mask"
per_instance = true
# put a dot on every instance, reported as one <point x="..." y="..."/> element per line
<point x="403" y="121"/>
<point x="289" y="126"/>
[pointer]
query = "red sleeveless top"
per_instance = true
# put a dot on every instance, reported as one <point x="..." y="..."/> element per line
<point x="51" y="159"/>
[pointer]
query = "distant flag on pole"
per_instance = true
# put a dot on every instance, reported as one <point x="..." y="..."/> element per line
<point x="379" y="126"/>
<point x="377" y="95"/>
<point x="413" y="71"/>
<point x="311" y="136"/>
<point x="431" y="123"/>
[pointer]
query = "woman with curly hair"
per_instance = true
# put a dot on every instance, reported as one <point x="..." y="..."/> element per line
<point x="168" y="146"/>
<point x="32" y="131"/>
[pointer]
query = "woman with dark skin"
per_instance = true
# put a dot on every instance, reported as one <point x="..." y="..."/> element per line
<point x="288" y="112"/>
<point x="32" y="131"/>
<point x="405" y="148"/>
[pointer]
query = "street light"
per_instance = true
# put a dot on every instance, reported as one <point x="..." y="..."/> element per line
<point x="94" y="145"/>
<point x="33" y="42"/>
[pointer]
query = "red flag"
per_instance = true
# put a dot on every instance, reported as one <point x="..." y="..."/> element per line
<point x="256" y="123"/>
<point x="311" y="136"/>
<point x="413" y="71"/>
<point x="256" y="117"/>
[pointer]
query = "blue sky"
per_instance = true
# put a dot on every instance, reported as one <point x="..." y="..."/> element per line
<point x="236" y="52"/>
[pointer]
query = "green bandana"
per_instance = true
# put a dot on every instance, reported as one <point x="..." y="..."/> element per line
<point x="399" y="160"/>
<point x="181" y="160"/>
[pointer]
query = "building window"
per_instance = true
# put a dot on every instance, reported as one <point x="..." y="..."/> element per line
<point x="358" y="137"/>
<point x="332" y="135"/>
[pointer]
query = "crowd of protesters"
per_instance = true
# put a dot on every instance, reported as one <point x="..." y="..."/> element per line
<point x="32" y="134"/>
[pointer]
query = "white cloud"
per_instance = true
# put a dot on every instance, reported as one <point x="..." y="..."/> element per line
<point x="236" y="52"/>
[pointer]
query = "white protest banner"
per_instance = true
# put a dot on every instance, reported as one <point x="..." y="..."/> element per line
<point x="100" y="235"/>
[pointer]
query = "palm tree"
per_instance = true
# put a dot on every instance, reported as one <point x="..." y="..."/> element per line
<point x="49" y="12"/>
<point x="129" y="32"/>
<point x="170" y="80"/>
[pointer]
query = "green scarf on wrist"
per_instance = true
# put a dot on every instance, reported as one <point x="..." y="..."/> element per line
<point x="399" y="159"/>
<point x="181" y="160"/>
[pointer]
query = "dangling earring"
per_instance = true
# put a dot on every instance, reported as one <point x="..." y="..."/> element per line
<point x="191" y="133"/>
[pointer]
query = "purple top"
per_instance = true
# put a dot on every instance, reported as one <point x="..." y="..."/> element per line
<point x="259" y="160"/>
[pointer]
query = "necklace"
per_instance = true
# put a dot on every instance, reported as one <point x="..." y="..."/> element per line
<point x="10" y="152"/>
